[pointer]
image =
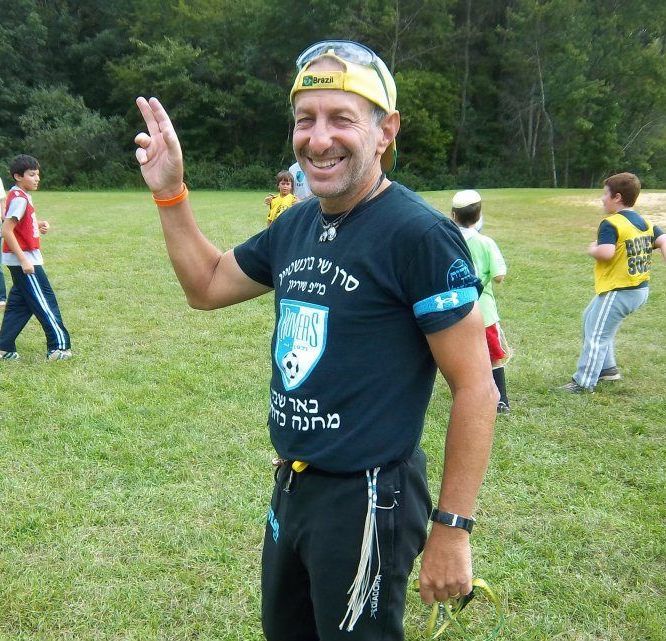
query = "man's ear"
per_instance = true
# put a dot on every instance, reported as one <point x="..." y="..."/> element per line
<point x="390" y="127"/>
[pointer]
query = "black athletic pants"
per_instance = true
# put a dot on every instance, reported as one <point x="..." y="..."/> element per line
<point x="313" y="545"/>
<point x="32" y="295"/>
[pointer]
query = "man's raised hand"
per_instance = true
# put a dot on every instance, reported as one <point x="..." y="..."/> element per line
<point x="158" y="151"/>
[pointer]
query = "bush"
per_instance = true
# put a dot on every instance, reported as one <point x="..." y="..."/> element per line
<point x="113" y="175"/>
<point x="411" y="180"/>
<point x="252" y="177"/>
<point x="206" y="174"/>
<point x="68" y="139"/>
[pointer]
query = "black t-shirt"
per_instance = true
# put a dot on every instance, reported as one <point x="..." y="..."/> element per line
<point x="352" y="370"/>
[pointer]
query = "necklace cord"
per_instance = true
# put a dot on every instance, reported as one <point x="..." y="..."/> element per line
<point x="336" y="222"/>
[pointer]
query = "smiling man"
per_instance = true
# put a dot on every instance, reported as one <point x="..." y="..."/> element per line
<point x="374" y="290"/>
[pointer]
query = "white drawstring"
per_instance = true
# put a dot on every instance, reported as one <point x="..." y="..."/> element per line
<point x="361" y="587"/>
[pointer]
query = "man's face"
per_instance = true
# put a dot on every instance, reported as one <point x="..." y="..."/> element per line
<point x="336" y="141"/>
<point x="29" y="181"/>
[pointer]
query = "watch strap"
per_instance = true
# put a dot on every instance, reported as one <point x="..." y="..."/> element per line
<point x="452" y="520"/>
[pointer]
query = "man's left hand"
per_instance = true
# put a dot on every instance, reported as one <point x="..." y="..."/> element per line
<point x="446" y="566"/>
<point x="43" y="226"/>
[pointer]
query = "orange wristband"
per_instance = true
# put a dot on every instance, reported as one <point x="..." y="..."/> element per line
<point x="175" y="200"/>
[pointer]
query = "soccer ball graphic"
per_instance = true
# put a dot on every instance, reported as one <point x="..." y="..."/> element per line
<point x="290" y="365"/>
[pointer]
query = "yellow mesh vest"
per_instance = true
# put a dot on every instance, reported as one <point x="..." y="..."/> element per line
<point x="630" y="266"/>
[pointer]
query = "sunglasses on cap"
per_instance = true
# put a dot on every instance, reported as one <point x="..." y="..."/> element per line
<point x="351" y="52"/>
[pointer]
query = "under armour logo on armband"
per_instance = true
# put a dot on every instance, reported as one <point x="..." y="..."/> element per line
<point x="449" y="300"/>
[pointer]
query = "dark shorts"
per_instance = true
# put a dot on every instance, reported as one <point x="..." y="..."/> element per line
<point x="312" y="548"/>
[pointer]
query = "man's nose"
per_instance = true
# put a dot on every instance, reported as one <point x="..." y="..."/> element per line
<point x="320" y="137"/>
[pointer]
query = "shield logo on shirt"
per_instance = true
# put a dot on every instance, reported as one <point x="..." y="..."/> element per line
<point x="459" y="275"/>
<point x="300" y="340"/>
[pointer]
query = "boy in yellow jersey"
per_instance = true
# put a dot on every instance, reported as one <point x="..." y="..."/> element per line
<point x="285" y="199"/>
<point x="623" y="256"/>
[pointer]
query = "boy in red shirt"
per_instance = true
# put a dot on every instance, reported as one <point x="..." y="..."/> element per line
<point x="31" y="292"/>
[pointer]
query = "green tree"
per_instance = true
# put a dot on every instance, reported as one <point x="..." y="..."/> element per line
<point x="526" y="92"/>
<point x="22" y="41"/>
<point x="427" y="122"/>
<point x="222" y="113"/>
<point x="69" y="139"/>
<point x="630" y="58"/>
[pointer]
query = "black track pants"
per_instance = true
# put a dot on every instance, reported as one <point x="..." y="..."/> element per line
<point x="313" y="545"/>
<point x="32" y="295"/>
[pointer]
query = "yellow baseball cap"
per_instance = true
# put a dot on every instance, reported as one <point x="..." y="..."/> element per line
<point x="364" y="74"/>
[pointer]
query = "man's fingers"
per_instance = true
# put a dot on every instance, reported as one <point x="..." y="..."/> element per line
<point x="426" y="594"/>
<point x="165" y="127"/>
<point x="148" y="114"/>
<point x="143" y="152"/>
<point x="141" y="156"/>
<point x="163" y="121"/>
<point x="159" y="125"/>
<point x="142" y="139"/>
<point x="172" y="142"/>
<point x="443" y="593"/>
<point x="158" y="122"/>
<point x="154" y="115"/>
<point x="161" y="116"/>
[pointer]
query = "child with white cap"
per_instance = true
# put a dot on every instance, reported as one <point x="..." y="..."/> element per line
<point x="490" y="268"/>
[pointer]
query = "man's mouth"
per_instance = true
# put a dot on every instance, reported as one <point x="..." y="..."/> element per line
<point x="326" y="163"/>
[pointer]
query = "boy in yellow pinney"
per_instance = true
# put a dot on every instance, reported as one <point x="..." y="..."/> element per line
<point x="278" y="204"/>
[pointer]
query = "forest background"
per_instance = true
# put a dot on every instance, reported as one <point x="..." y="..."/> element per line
<point x="514" y="93"/>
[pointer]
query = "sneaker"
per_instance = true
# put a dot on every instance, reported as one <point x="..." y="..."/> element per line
<point x="3" y="303"/>
<point x="610" y="374"/>
<point x="575" y="388"/>
<point x="9" y="356"/>
<point x="503" y="408"/>
<point x="59" y="354"/>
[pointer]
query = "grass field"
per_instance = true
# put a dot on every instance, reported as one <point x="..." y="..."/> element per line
<point x="134" y="479"/>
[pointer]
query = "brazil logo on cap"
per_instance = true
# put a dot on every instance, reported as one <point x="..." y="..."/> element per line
<point x="307" y="81"/>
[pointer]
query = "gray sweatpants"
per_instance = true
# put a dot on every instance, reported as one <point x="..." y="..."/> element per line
<point x="601" y="320"/>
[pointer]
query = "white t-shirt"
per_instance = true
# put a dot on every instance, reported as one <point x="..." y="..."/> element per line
<point x="301" y="187"/>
